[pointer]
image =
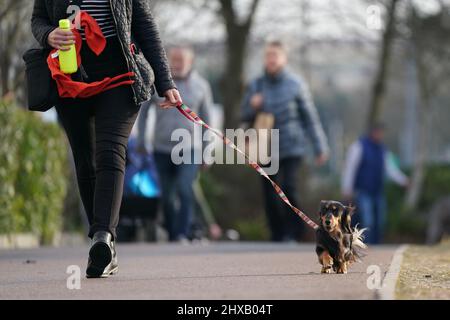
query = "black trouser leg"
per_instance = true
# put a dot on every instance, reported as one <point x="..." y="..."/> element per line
<point x="167" y="173"/>
<point x="114" y="114"/>
<point x="77" y="118"/>
<point x="289" y="168"/>
<point x="273" y="210"/>
<point x="283" y="222"/>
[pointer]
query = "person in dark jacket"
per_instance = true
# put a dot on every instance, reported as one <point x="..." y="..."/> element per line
<point x="98" y="127"/>
<point x="288" y="99"/>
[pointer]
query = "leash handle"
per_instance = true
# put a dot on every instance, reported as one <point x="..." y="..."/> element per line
<point x="193" y="117"/>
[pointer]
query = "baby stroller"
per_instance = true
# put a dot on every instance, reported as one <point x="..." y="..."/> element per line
<point x="141" y="196"/>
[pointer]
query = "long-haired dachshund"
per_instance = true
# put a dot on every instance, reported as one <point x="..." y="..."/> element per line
<point x="338" y="244"/>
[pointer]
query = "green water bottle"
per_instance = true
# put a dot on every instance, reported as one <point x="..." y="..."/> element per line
<point x="67" y="59"/>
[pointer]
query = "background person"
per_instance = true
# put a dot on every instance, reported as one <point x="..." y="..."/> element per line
<point x="177" y="179"/>
<point x="287" y="98"/>
<point x="368" y="162"/>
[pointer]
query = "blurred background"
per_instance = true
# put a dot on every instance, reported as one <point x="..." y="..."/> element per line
<point x="364" y="60"/>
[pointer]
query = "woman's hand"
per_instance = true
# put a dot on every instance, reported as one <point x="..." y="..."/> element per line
<point x="61" y="39"/>
<point x="173" y="98"/>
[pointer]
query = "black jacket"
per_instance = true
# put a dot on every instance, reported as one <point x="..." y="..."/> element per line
<point x="135" y="24"/>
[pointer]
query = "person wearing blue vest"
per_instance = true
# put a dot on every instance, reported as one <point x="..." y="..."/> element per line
<point x="368" y="163"/>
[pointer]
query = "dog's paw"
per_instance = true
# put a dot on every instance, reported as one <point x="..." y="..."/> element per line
<point x="326" y="270"/>
<point x="341" y="270"/>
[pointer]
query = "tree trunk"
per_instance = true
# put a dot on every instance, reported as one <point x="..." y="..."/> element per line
<point x="379" y="86"/>
<point x="4" y="75"/>
<point x="233" y="79"/>
<point x="236" y="45"/>
<point x="424" y="116"/>
<point x="11" y="31"/>
<point x="305" y="43"/>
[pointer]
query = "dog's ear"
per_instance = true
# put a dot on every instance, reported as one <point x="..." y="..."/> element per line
<point x="346" y="221"/>
<point x="322" y="208"/>
<point x="350" y="210"/>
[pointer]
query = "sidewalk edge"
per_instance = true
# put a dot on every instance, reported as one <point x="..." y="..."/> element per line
<point x="387" y="290"/>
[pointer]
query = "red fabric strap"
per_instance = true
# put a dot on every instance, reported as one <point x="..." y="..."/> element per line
<point x="68" y="88"/>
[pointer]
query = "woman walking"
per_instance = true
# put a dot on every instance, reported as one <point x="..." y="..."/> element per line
<point x="98" y="126"/>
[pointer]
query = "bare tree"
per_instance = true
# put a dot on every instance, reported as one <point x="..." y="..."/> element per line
<point x="236" y="45"/>
<point x="13" y="36"/>
<point x="418" y="172"/>
<point x="305" y="24"/>
<point x="429" y="38"/>
<point x="236" y="32"/>
<point x="379" y="86"/>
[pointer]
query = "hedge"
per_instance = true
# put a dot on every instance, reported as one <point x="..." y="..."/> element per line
<point x="32" y="174"/>
<point x="410" y="226"/>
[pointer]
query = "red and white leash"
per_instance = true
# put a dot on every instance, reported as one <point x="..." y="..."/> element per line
<point x="192" y="116"/>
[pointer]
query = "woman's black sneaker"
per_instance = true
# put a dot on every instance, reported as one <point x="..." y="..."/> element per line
<point x="102" y="256"/>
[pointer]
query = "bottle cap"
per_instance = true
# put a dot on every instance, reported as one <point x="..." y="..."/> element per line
<point x="64" y="24"/>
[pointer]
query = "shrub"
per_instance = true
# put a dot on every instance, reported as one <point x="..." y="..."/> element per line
<point x="32" y="174"/>
<point x="406" y="225"/>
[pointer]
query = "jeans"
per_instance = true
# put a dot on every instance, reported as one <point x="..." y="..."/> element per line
<point x="283" y="222"/>
<point x="177" y="186"/>
<point x="371" y="212"/>
<point x="98" y="129"/>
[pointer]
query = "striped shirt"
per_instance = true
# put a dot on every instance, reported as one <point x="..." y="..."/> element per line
<point x="100" y="10"/>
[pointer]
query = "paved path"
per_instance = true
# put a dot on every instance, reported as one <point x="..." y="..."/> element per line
<point x="215" y="271"/>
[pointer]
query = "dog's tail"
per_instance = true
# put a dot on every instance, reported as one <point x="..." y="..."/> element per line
<point x="358" y="245"/>
<point x="358" y="237"/>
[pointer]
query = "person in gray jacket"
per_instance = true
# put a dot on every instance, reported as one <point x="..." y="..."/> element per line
<point x="288" y="99"/>
<point x="177" y="178"/>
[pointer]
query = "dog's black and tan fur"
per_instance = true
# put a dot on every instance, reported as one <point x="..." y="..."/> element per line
<point x="338" y="244"/>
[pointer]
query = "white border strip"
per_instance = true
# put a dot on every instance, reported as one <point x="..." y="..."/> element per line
<point x="387" y="290"/>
